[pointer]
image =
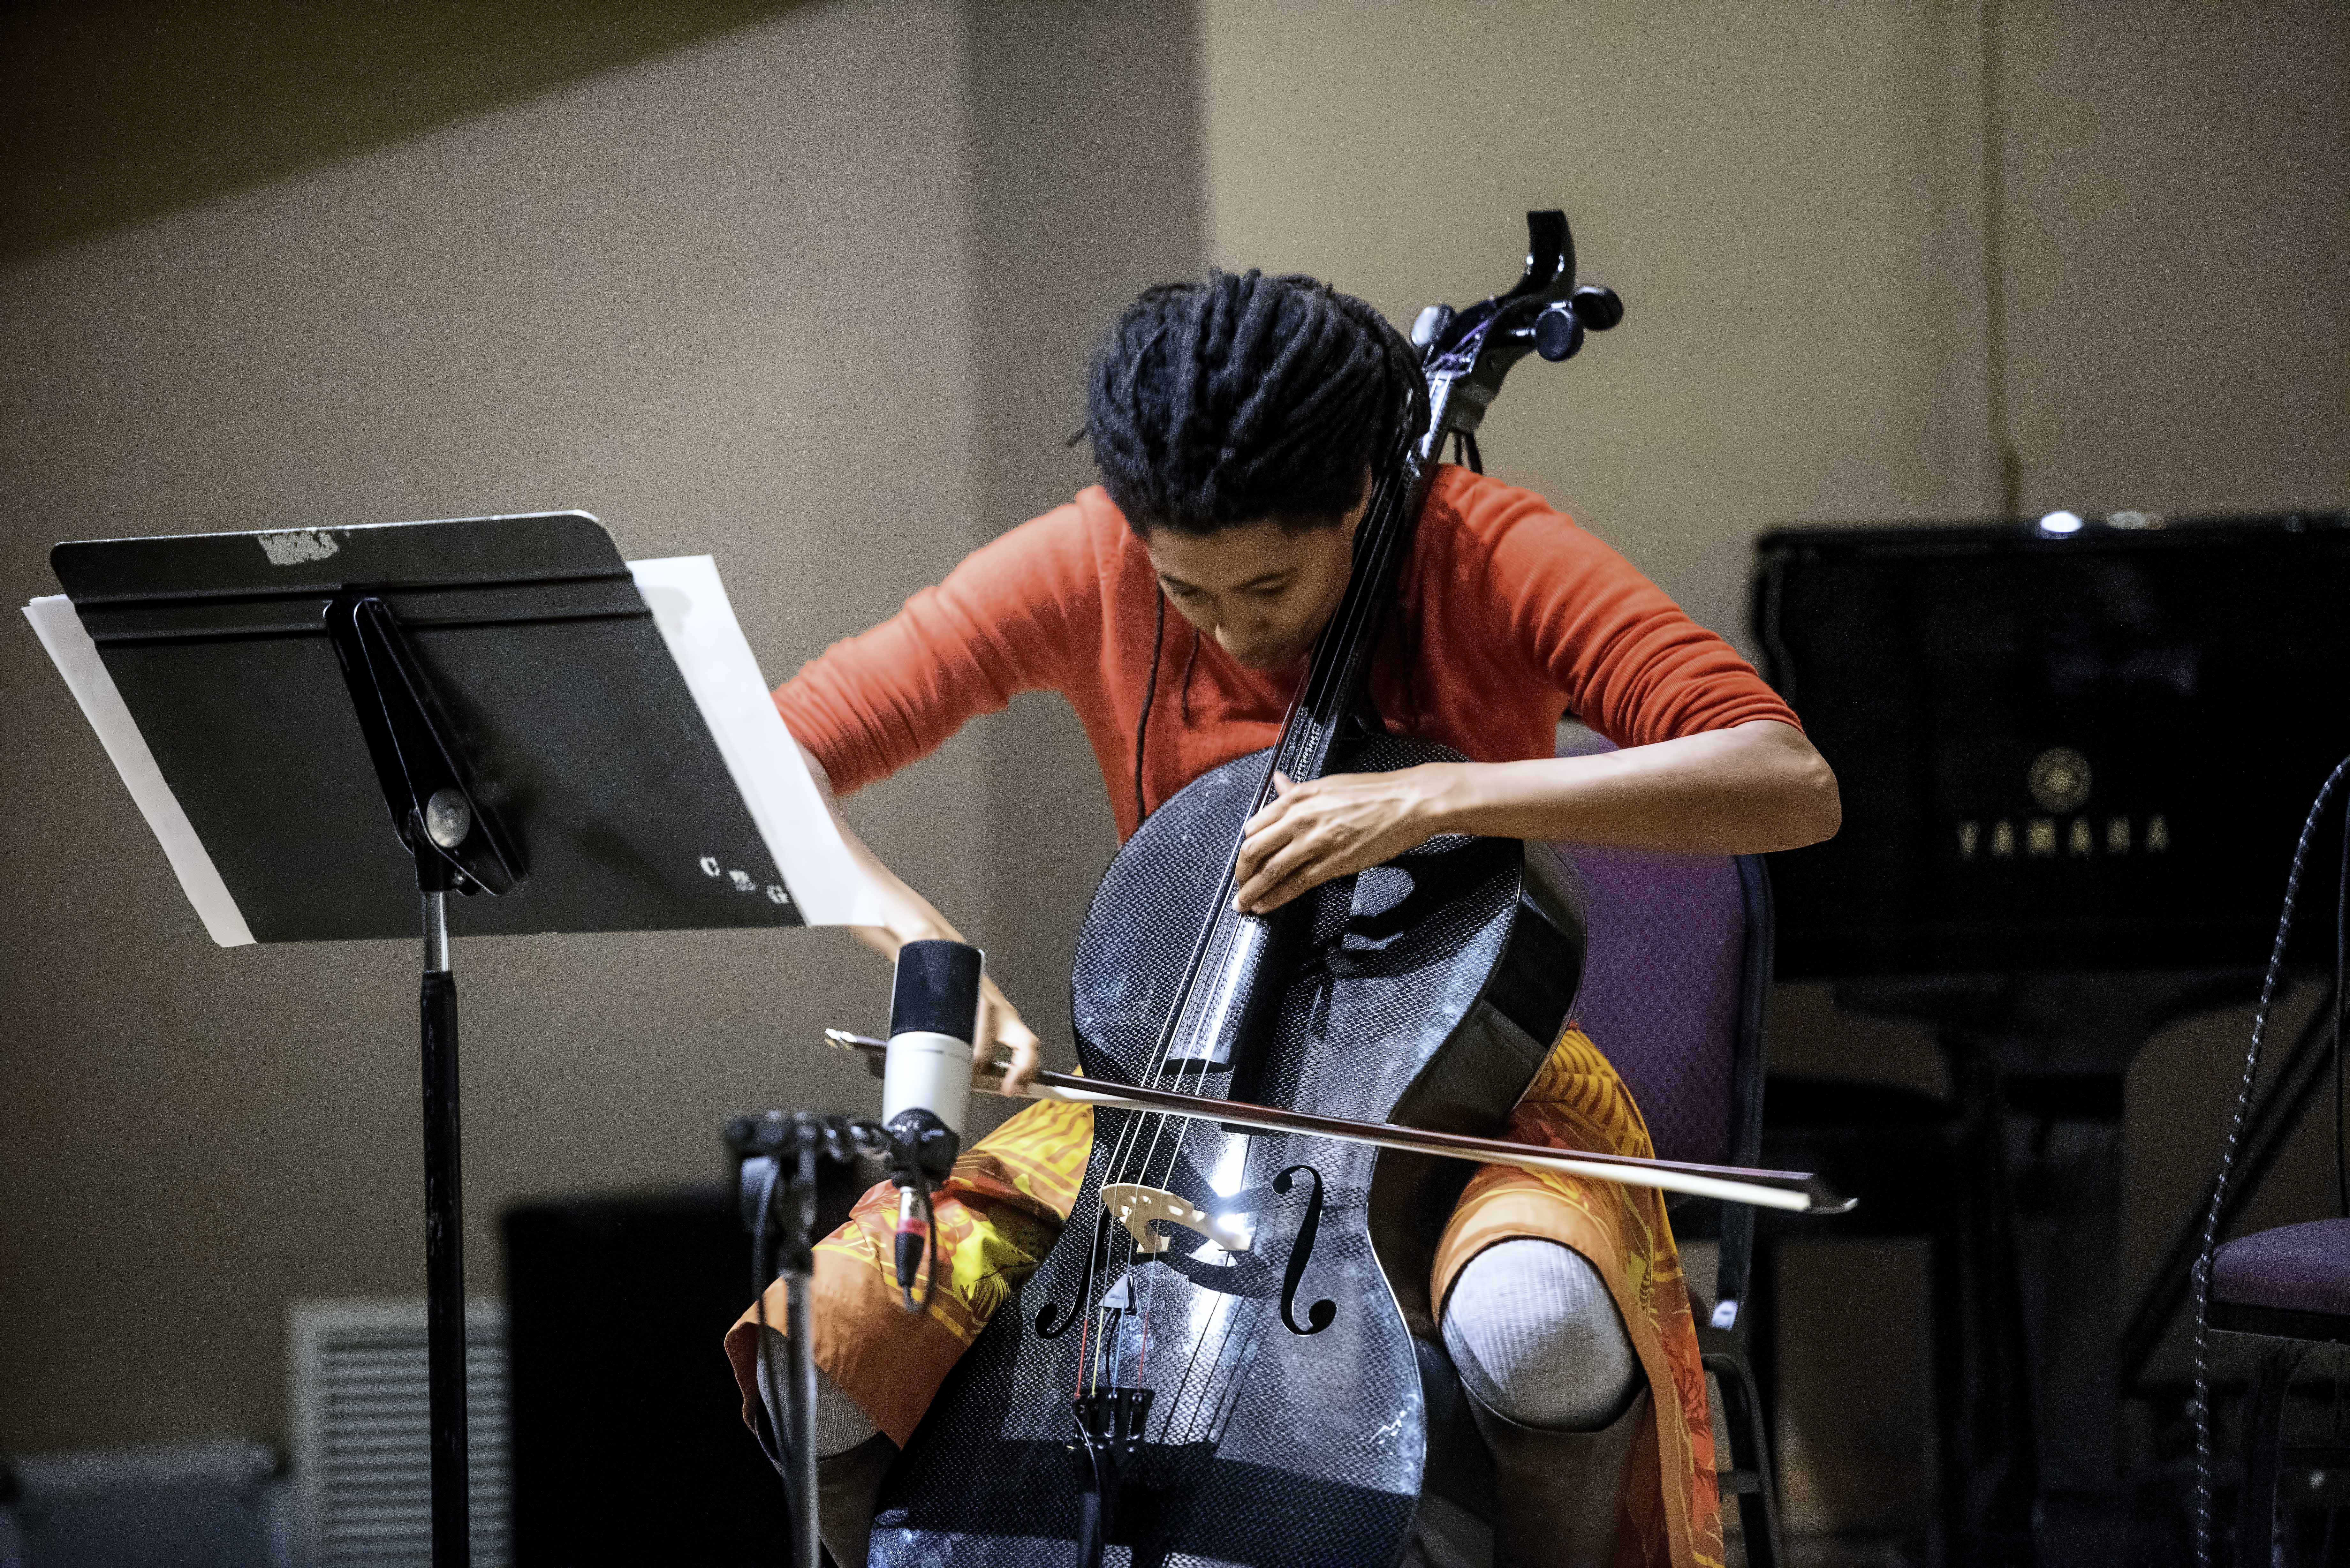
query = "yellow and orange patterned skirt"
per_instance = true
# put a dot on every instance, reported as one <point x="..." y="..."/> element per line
<point x="1010" y="1193"/>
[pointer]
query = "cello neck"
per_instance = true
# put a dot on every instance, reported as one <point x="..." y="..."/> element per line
<point x="1465" y="355"/>
<point x="1342" y="654"/>
<point x="1212" y="1009"/>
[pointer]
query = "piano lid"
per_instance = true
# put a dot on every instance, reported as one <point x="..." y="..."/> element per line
<point x="2077" y="744"/>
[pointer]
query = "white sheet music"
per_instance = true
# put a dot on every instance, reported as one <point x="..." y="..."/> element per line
<point x="796" y="818"/>
<point x="800" y="823"/>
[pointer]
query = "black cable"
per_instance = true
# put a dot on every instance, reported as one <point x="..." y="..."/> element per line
<point x="2341" y="951"/>
<point x="1191" y="662"/>
<point x="2201" y="1407"/>
<point x="1149" y="695"/>
<point x="917" y="1186"/>
<point x="763" y="1259"/>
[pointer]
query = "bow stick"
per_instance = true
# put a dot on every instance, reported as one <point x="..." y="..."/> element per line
<point x="1796" y="1191"/>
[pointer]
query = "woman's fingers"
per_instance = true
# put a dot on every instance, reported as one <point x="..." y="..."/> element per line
<point x="1005" y="1040"/>
<point x="1286" y="856"/>
<point x="1301" y="863"/>
<point x="1001" y="1032"/>
<point x="1027" y="1058"/>
<point x="1315" y="831"/>
<point x="1259" y="844"/>
<point x="1286" y="793"/>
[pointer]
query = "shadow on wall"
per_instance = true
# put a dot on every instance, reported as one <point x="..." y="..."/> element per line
<point x="128" y="110"/>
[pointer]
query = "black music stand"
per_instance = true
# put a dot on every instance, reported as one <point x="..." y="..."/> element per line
<point x="545" y="750"/>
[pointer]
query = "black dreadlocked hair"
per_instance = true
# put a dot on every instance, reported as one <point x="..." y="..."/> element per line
<point x="1247" y="397"/>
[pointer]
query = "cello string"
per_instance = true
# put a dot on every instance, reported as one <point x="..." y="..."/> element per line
<point x="1315" y="718"/>
<point x="1223" y="943"/>
<point x="1312" y="722"/>
<point x="1316" y="714"/>
<point x="1307" y="727"/>
<point x="1310" y="729"/>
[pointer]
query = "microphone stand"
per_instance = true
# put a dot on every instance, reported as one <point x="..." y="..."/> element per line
<point x="776" y="1184"/>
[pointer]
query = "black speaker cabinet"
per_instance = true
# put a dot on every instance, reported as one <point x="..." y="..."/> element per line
<point x="627" y="1439"/>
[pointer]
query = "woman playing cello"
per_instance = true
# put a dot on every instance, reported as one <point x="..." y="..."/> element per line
<point x="1235" y="424"/>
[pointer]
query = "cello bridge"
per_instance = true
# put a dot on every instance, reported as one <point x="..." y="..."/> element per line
<point x="1135" y="1205"/>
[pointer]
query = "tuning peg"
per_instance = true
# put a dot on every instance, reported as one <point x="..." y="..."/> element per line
<point x="1429" y="326"/>
<point x="1597" y="307"/>
<point x="1558" y="333"/>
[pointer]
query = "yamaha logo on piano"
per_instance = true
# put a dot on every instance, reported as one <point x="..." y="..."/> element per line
<point x="2059" y="780"/>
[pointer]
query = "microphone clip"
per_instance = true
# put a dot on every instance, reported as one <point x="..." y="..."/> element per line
<point x="923" y="1150"/>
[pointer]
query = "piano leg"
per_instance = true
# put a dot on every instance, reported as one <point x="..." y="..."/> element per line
<point x="1986" y="1470"/>
<point x="2026" y="1412"/>
<point x="2064" y="1168"/>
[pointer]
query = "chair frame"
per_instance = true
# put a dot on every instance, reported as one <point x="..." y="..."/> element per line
<point x="1720" y="1337"/>
<point x="2285" y="1338"/>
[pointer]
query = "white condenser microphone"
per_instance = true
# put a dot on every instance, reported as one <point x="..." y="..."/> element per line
<point x="926" y="1079"/>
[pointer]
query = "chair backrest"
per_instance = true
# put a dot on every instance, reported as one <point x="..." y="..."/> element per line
<point x="1662" y="987"/>
<point x="1676" y="978"/>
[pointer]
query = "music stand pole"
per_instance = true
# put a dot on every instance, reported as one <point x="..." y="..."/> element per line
<point x="445" y="1236"/>
<point x="431" y="788"/>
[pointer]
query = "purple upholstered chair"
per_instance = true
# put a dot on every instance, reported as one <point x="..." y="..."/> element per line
<point x="1675" y="981"/>
<point x="2291" y="1287"/>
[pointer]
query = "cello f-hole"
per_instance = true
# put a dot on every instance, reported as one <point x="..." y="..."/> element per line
<point x="1320" y="1314"/>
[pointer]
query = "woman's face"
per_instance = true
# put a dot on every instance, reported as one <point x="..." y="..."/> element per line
<point x="1263" y="590"/>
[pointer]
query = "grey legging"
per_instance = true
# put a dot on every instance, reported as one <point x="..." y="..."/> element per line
<point x="1538" y="1339"/>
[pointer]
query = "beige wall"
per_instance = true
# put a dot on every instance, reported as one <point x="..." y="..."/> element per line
<point x="723" y="300"/>
<point x="117" y="111"/>
<point x="1764" y="185"/>
<point x="2179" y="231"/>
<point x="1086" y="189"/>
<point x="1790" y="199"/>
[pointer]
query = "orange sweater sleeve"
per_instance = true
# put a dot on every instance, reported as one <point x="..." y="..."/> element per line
<point x="1633" y="666"/>
<point x="1013" y="617"/>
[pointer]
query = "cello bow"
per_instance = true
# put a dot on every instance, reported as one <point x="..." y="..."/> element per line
<point x="1793" y="1191"/>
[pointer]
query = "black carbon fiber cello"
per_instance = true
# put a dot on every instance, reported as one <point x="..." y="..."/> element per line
<point x="1213" y="1364"/>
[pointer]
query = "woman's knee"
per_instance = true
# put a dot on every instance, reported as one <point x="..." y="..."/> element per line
<point x="1536" y="1336"/>
<point x="841" y="1423"/>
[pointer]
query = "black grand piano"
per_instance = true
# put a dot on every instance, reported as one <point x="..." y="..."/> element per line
<point x="2075" y="757"/>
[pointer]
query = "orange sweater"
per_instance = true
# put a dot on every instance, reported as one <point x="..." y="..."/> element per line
<point x="1516" y="614"/>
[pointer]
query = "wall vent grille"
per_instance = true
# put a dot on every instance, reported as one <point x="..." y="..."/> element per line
<point x="362" y="1467"/>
